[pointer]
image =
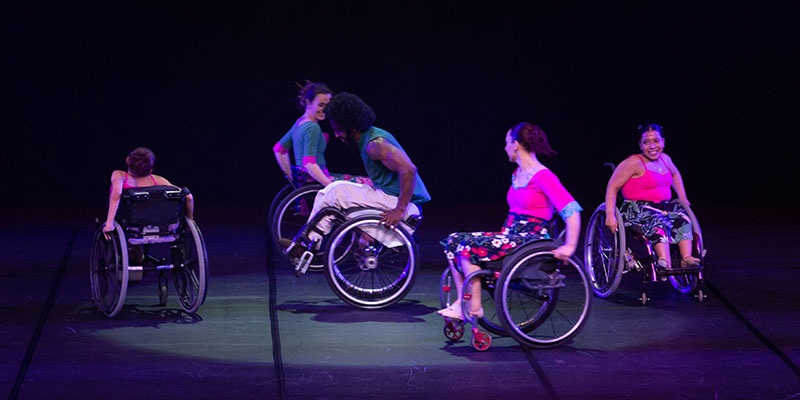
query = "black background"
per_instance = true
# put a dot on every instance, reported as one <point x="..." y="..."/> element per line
<point x="210" y="88"/>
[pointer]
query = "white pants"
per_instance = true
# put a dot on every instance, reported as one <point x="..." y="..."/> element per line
<point x="342" y="194"/>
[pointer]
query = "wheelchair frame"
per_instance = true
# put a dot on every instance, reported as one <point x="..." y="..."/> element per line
<point x="516" y="285"/>
<point x="110" y="265"/>
<point x="367" y="264"/>
<point x="606" y="261"/>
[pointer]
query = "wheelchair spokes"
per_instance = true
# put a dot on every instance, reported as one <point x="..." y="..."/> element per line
<point x="369" y="265"/>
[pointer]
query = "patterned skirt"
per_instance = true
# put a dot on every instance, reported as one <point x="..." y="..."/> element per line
<point x="662" y="222"/>
<point x="489" y="246"/>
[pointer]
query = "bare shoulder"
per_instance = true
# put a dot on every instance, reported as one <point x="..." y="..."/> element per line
<point x="630" y="163"/>
<point x="161" y="180"/>
<point x="117" y="175"/>
<point x="668" y="160"/>
<point x="377" y="147"/>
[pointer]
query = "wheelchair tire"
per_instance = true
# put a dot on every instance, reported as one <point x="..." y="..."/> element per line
<point x="277" y="201"/>
<point x="535" y="311"/>
<point x="190" y="268"/>
<point x="292" y="214"/>
<point x="108" y="271"/>
<point x="604" y="252"/>
<point x="374" y="269"/>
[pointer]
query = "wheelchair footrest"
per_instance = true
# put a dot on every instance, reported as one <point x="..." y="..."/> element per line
<point x="678" y="271"/>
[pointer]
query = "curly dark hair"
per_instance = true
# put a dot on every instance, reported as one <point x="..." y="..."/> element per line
<point x="349" y="112"/>
<point x="140" y="161"/>
<point x="646" y="127"/>
<point x="309" y="90"/>
<point x="532" y="138"/>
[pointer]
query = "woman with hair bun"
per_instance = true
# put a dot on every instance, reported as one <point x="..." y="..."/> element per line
<point x="307" y="140"/>
<point x="534" y="194"/>
<point x="139" y="164"/>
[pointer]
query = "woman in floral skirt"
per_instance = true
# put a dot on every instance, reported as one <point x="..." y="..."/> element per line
<point x="534" y="194"/>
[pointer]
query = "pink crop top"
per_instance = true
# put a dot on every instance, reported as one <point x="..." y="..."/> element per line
<point x="651" y="186"/>
<point x="125" y="182"/>
<point x="539" y="196"/>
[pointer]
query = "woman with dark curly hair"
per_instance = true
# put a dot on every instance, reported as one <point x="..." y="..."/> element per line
<point x="139" y="173"/>
<point x="645" y="180"/>
<point x="308" y="141"/>
<point x="534" y="194"/>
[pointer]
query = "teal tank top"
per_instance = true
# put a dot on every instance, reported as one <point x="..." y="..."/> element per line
<point x="383" y="178"/>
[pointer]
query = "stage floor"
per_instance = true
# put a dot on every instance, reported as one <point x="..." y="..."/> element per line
<point x="742" y="342"/>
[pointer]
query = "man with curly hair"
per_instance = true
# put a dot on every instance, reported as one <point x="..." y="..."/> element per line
<point x="397" y="187"/>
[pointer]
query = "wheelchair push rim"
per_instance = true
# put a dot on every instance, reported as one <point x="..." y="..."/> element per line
<point x="603" y="251"/>
<point x="376" y="271"/>
<point x="539" y="313"/>
<point x="108" y="271"/>
<point x="190" y="270"/>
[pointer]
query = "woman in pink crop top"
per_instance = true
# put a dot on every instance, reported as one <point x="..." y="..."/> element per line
<point x="534" y="194"/>
<point x="646" y="181"/>
<point x="140" y="173"/>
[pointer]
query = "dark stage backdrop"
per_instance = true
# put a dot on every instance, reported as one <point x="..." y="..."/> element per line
<point x="210" y="88"/>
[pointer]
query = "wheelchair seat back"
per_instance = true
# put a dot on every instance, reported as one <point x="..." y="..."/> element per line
<point x="151" y="210"/>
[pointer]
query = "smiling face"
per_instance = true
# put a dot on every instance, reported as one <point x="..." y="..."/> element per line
<point x="651" y="144"/>
<point x="315" y="110"/>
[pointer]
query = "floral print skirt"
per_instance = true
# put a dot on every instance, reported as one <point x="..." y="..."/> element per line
<point x="489" y="246"/>
<point x="662" y="222"/>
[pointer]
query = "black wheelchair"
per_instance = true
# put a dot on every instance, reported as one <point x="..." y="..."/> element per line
<point x="151" y="234"/>
<point x="609" y="255"/>
<point x="529" y="295"/>
<point x="367" y="264"/>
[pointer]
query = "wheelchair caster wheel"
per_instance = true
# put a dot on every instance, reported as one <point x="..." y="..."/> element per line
<point x="162" y="290"/>
<point x="453" y="330"/>
<point x="644" y="299"/>
<point x="700" y="296"/>
<point x="481" y="341"/>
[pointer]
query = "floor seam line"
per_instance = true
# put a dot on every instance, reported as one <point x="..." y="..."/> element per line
<point x="752" y="328"/>
<point x="37" y="332"/>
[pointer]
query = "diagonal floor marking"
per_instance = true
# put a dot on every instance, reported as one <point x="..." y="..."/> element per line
<point x="37" y="332"/>
<point x="277" y="356"/>
<point x="753" y="329"/>
<point x="548" y="387"/>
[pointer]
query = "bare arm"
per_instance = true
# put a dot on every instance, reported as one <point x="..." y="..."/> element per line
<point x="316" y="172"/>
<point x="117" y="181"/>
<point x="624" y="171"/>
<point x="397" y="161"/>
<point x="284" y="163"/>
<point x="566" y="250"/>
<point x="677" y="180"/>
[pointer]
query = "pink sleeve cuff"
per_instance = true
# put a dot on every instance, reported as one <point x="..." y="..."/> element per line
<point x="327" y="137"/>
<point x="309" y="160"/>
<point x="279" y="149"/>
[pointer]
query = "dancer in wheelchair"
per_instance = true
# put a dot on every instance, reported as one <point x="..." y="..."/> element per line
<point x="396" y="186"/>
<point x="534" y="193"/>
<point x="308" y="142"/>
<point x="645" y="180"/>
<point x="139" y="164"/>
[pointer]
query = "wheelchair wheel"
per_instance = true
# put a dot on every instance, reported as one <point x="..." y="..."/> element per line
<point x="277" y="201"/>
<point x="603" y="251"/>
<point x="686" y="284"/>
<point x="542" y="302"/>
<point x="368" y="265"/>
<point x="292" y="214"/>
<point x="108" y="271"/>
<point x="190" y="268"/>
<point x="448" y="294"/>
